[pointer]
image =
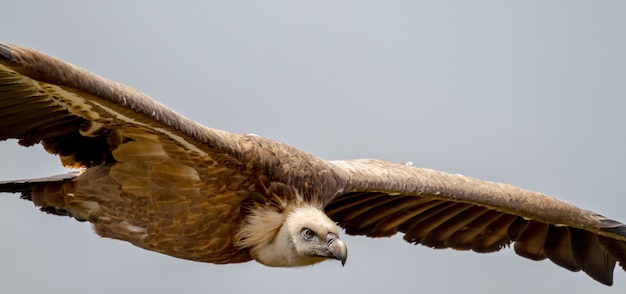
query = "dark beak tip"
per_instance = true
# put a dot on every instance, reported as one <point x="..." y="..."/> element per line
<point x="338" y="249"/>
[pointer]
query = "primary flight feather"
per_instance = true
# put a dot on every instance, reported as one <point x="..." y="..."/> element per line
<point x="156" y="179"/>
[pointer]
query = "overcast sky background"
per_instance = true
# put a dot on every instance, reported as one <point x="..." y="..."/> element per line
<point x="531" y="93"/>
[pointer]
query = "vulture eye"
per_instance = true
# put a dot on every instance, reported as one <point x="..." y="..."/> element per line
<point x="308" y="234"/>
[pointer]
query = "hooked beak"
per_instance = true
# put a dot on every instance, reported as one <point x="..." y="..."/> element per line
<point x="337" y="248"/>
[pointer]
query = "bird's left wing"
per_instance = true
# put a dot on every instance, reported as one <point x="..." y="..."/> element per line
<point x="42" y="97"/>
<point x="152" y="177"/>
<point x="444" y="210"/>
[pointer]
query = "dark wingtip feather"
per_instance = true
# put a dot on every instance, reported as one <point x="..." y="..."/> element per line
<point x="620" y="229"/>
<point x="5" y="52"/>
<point x="19" y="186"/>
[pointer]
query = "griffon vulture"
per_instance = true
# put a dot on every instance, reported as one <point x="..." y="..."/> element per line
<point x="164" y="183"/>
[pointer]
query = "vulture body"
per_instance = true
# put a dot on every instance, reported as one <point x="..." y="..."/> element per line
<point x="164" y="183"/>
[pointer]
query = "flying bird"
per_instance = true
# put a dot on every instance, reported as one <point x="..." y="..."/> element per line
<point x="156" y="179"/>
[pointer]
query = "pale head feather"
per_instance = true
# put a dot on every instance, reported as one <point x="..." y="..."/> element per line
<point x="274" y="238"/>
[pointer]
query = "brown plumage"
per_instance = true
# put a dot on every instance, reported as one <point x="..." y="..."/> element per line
<point x="165" y="183"/>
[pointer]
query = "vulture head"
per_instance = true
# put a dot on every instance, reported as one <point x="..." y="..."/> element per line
<point x="302" y="236"/>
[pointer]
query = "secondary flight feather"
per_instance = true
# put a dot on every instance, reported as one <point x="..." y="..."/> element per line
<point x="164" y="183"/>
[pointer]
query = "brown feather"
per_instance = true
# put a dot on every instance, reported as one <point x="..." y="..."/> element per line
<point x="529" y="242"/>
<point x="558" y="248"/>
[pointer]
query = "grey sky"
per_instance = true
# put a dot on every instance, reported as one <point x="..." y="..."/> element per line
<point x="529" y="93"/>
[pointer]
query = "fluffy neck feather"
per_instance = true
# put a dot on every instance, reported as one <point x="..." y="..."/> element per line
<point x="268" y="235"/>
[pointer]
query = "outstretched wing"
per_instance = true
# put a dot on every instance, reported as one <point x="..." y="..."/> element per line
<point x="443" y="210"/>
<point x="169" y="184"/>
<point x="44" y="99"/>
